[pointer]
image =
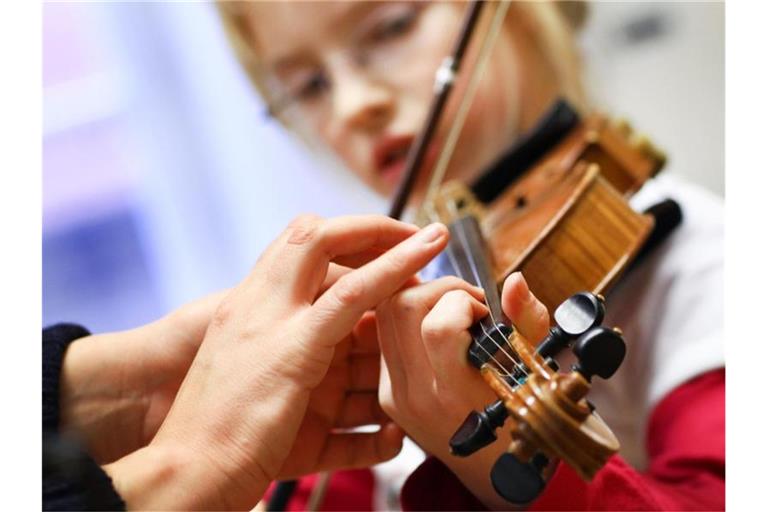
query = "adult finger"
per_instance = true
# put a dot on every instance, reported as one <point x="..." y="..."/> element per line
<point x="365" y="339"/>
<point x="337" y="310"/>
<point x="393" y="381"/>
<point x="335" y="271"/>
<point x="355" y="450"/>
<point x="360" y="409"/>
<point x="364" y="373"/>
<point x="525" y="311"/>
<point x="186" y="325"/>
<point x="300" y="256"/>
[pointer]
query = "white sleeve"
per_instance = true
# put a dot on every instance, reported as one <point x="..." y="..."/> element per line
<point x="672" y="303"/>
<point x="670" y="308"/>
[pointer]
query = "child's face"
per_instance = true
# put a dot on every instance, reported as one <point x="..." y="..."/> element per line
<point x="361" y="75"/>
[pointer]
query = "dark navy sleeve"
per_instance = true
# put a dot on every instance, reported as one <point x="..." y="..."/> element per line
<point x="72" y="480"/>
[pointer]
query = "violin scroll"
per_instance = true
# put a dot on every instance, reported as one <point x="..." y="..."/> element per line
<point x="550" y="416"/>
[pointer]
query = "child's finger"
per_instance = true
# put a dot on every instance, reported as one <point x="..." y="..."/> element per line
<point x="444" y="332"/>
<point x="336" y="311"/>
<point x="409" y="308"/>
<point x="525" y="311"/>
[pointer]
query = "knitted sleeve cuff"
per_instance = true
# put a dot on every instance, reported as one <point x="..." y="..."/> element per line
<point x="74" y="481"/>
<point x="56" y="339"/>
<point x="71" y="479"/>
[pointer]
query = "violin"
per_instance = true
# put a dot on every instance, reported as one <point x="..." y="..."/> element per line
<point x="565" y="223"/>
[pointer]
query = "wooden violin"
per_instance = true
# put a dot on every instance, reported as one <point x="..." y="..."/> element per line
<point x="566" y="225"/>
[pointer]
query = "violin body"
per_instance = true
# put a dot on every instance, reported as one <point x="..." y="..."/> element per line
<point x="565" y="224"/>
<point x="579" y="236"/>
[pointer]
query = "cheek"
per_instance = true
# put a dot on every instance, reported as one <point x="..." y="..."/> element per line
<point x="498" y="108"/>
<point x="492" y="124"/>
<point x="488" y="131"/>
<point x="354" y="151"/>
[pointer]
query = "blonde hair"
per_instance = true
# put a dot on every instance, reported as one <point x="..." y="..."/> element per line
<point x="553" y="25"/>
<point x="240" y="35"/>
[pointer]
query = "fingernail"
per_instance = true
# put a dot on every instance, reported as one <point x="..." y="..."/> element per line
<point x="522" y="280"/>
<point x="431" y="233"/>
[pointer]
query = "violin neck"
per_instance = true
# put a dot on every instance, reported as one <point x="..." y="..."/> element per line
<point x="469" y="256"/>
<point x="471" y="262"/>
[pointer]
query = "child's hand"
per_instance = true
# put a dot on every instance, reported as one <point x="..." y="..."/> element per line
<point x="427" y="384"/>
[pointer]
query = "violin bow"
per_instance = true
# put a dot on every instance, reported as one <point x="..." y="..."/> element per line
<point x="445" y="77"/>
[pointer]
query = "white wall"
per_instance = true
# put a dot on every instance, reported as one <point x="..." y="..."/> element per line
<point x="670" y="85"/>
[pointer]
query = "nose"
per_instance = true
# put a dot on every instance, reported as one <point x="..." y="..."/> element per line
<point x="361" y="102"/>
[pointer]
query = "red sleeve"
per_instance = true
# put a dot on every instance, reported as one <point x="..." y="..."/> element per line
<point x="686" y="449"/>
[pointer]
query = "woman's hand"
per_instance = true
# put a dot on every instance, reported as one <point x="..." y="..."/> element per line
<point x="116" y="388"/>
<point x="277" y="361"/>
<point x="427" y="384"/>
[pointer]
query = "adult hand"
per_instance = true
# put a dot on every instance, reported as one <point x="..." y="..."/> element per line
<point x="116" y="388"/>
<point x="271" y="368"/>
<point x="427" y="384"/>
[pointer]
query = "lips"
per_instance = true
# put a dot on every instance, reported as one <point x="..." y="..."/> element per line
<point x="389" y="155"/>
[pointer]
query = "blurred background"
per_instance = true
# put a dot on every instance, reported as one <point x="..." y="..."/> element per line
<point x="162" y="181"/>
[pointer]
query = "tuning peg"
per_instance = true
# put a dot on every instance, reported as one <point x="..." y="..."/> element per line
<point x="478" y="429"/>
<point x="574" y="317"/>
<point x="518" y="482"/>
<point x="600" y="352"/>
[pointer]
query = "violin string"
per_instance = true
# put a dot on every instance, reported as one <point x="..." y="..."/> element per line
<point x="435" y="217"/>
<point x="465" y="244"/>
<point x="486" y="333"/>
<point x="450" y="144"/>
<point x="515" y="358"/>
<point x="438" y="172"/>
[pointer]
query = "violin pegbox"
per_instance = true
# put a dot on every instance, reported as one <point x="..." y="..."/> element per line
<point x="547" y="412"/>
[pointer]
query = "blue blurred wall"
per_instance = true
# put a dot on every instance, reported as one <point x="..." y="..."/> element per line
<point x="162" y="180"/>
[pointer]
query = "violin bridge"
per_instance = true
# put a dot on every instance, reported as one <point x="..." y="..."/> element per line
<point x="453" y="200"/>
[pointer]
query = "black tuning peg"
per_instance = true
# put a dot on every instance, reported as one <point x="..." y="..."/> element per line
<point x="478" y="429"/>
<point x="574" y="317"/>
<point x="600" y="352"/>
<point x="517" y="482"/>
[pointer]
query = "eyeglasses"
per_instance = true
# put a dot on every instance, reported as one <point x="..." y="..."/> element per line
<point x="387" y="36"/>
